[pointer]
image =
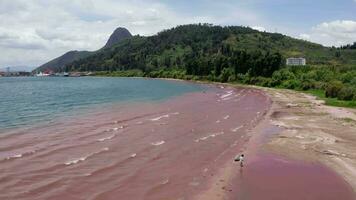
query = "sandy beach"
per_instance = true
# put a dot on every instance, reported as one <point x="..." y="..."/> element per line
<point x="280" y="166"/>
<point x="182" y="148"/>
<point x="314" y="132"/>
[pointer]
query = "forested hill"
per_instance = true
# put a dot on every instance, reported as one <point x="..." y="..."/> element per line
<point x="203" y="49"/>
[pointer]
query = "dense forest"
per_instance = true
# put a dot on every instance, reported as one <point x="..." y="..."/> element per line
<point x="349" y="46"/>
<point x="229" y="54"/>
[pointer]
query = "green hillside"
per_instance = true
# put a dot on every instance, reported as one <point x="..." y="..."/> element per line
<point x="66" y="58"/>
<point x="172" y="48"/>
<point x="228" y="54"/>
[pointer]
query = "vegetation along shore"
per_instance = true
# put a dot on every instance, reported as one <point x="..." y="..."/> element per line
<point x="230" y="54"/>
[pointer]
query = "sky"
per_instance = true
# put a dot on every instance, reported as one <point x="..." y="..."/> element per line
<point x="33" y="32"/>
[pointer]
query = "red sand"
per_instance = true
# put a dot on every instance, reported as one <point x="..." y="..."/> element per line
<point x="166" y="150"/>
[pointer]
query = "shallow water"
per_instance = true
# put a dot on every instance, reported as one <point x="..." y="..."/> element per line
<point x="30" y="100"/>
<point x="148" y="150"/>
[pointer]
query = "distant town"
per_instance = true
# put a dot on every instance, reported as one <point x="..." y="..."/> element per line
<point x="9" y="73"/>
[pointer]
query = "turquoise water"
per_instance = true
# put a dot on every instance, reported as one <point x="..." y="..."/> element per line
<point x="30" y="100"/>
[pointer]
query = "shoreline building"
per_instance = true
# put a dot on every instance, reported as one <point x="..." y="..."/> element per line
<point x="296" y="61"/>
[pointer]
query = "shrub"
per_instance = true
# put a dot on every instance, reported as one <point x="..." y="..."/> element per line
<point x="307" y="84"/>
<point x="349" y="77"/>
<point x="281" y="75"/>
<point x="291" y="84"/>
<point x="261" y="81"/>
<point x="324" y="75"/>
<point x="346" y="93"/>
<point x="333" y="88"/>
<point x="225" y="74"/>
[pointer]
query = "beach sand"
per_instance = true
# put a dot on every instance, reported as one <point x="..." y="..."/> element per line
<point x="275" y="167"/>
<point x="181" y="149"/>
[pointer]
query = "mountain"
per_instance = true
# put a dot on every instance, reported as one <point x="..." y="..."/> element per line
<point x="58" y="63"/>
<point x="61" y="61"/>
<point x="117" y="36"/>
<point x="204" y="49"/>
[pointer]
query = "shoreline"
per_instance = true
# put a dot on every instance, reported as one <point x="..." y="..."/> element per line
<point x="314" y="132"/>
<point x="269" y="136"/>
<point x="149" y="151"/>
<point x="264" y="155"/>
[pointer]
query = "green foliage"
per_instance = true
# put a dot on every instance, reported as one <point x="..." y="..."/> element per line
<point x="282" y="75"/>
<point x="346" y="93"/>
<point x="228" y="54"/>
<point x="332" y="101"/>
<point x="333" y="89"/>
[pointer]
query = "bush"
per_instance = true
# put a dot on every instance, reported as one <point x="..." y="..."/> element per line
<point x="349" y="77"/>
<point x="291" y="84"/>
<point x="261" y="81"/>
<point x="225" y="74"/>
<point x="307" y="84"/>
<point x="333" y="89"/>
<point x="281" y="75"/>
<point x="346" y="93"/>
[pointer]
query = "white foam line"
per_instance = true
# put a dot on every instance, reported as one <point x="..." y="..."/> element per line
<point x="13" y="156"/>
<point x="229" y="93"/>
<point x="160" y="117"/>
<point x="227" y="117"/>
<point x="236" y="129"/>
<point x="226" y="99"/>
<point x="209" y="136"/>
<point x="20" y="155"/>
<point x="117" y="128"/>
<point x="133" y="155"/>
<point x="158" y="143"/>
<point x="114" y="129"/>
<point x="81" y="159"/>
<point x="106" y="138"/>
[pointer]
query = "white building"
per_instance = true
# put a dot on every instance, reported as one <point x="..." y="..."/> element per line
<point x="296" y="61"/>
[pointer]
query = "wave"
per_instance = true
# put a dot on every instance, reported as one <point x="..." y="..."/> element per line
<point x="114" y="129"/>
<point x="209" y="136"/>
<point x="160" y="117"/>
<point x="81" y="159"/>
<point x="164" y="116"/>
<point x="236" y="129"/>
<point x="106" y="138"/>
<point x="228" y="93"/>
<point x="158" y="143"/>
<point x="19" y="155"/>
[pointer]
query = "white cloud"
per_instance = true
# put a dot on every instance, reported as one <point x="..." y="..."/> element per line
<point x="334" y="33"/>
<point x="35" y="31"/>
<point x="259" y="28"/>
<point x="304" y="36"/>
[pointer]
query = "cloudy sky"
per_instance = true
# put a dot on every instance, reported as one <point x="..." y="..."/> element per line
<point x="35" y="31"/>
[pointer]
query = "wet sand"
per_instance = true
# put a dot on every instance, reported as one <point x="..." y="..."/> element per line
<point x="178" y="149"/>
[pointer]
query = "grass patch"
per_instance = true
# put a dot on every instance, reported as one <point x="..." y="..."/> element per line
<point x="331" y="101"/>
<point x="348" y="120"/>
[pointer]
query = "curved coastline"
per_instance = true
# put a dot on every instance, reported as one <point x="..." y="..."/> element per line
<point x="115" y="151"/>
